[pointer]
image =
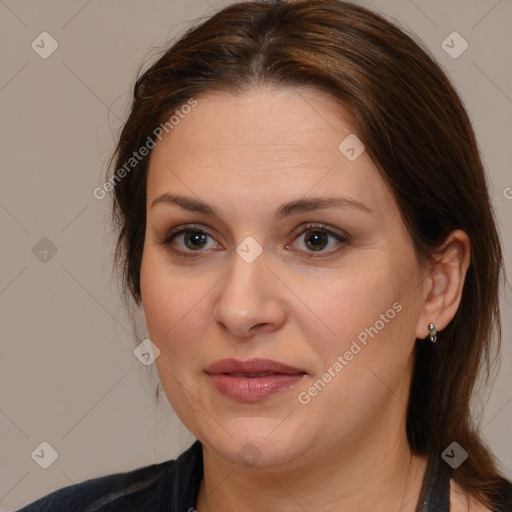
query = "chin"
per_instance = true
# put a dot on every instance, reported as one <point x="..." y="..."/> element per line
<point x="259" y="442"/>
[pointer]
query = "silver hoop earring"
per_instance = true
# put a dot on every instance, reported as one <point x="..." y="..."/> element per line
<point x="432" y="333"/>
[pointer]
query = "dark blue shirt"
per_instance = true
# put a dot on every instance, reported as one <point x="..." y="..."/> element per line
<point x="173" y="486"/>
<point x="170" y="486"/>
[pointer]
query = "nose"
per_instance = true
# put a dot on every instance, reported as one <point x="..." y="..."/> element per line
<point x="250" y="300"/>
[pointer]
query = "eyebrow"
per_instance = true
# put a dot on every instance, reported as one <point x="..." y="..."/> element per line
<point x="285" y="210"/>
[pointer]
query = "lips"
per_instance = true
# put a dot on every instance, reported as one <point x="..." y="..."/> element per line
<point x="253" y="380"/>
<point x="252" y="368"/>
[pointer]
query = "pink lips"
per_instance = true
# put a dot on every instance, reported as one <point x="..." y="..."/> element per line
<point x="252" y="380"/>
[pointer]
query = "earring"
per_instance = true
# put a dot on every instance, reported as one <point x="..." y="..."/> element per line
<point x="432" y="333"/>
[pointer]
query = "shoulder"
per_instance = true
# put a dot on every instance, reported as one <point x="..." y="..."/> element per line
<point x="118" y="491"/>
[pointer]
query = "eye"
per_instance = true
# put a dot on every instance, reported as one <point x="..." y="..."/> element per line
<point x="318" y="237"/>
<point x="189" y="239"/>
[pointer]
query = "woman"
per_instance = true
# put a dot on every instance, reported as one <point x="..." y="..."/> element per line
<point x="304" y="218"/>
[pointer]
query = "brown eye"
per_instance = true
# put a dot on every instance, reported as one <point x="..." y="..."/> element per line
<point x="194" y="239"/>
<point x="189" y="241"/>
<point x="317" y="237"/>
<point x="317" y="240"/>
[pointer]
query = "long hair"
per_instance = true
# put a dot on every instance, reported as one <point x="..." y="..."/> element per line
<point x="416" y="130"/>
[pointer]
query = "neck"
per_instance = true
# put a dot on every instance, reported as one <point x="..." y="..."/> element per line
<point x="375" y="471"/>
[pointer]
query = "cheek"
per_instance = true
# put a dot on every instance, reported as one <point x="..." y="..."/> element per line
<point x="173" y="308"/>
<point x="178" y="309"/>
<point x="174" y="316"/>
<point x="374" y="339"/>
<point x="356" y="301"/>
<point x="156" y="294"/>
<point x="371" y="313"/>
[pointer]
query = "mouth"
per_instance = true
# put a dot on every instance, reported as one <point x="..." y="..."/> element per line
<point x="253" y="380"/>
<point x="251" y="375"/>
<point x="251" y="368"/>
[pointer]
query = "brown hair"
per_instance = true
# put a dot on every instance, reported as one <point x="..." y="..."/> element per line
<point x="418" y="133"/>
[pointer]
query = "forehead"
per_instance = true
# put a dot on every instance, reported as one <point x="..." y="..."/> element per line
<point x="263" y="143"/>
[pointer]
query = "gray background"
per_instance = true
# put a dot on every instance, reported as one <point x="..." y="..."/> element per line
<point x="68" y="375"/>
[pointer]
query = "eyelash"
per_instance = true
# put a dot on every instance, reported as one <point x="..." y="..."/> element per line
<point x="313" y="227"/>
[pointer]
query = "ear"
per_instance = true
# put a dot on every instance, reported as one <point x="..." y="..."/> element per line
<point x="444" y="283"/>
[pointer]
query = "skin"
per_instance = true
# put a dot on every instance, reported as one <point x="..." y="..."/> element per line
<point x="346" y="449"/>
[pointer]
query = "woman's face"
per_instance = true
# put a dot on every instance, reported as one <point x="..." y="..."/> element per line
<point x="265" y="270"/>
